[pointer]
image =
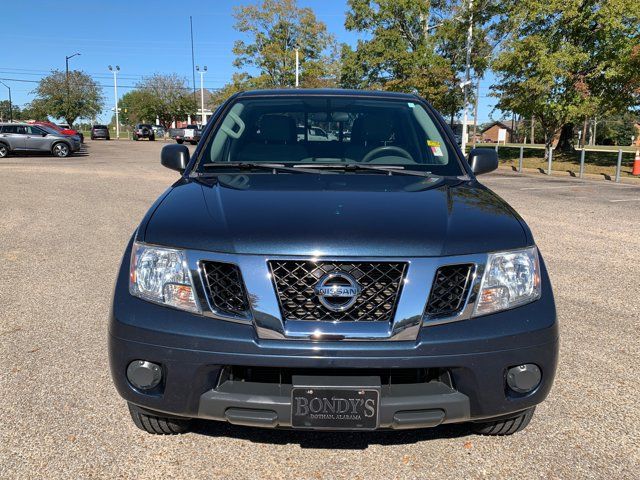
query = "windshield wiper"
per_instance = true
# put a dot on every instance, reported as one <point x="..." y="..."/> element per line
<point x="390" y="170"/>
<point x="275" y="167"/>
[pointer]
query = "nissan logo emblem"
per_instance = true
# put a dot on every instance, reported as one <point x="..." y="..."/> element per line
<point x="337" y="291"/>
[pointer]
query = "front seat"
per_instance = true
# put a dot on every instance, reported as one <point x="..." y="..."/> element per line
<point x="369" y="131"/>
<point x="276" y="141"/>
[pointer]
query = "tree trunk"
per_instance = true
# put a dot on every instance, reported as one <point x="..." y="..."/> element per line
<point x="565" y="143"/>
<point x="533" y="130"/>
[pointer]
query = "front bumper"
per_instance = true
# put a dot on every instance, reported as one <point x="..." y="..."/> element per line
<point x="193" y="350"/>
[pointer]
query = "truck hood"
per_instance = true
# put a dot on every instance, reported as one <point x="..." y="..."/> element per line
<point x="334" y="215"/>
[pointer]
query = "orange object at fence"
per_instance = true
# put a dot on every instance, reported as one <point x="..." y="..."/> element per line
<point x="636" y="164"/>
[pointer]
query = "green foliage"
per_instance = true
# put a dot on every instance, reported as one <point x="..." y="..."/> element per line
<point x="617" y="130"/>
<point x="565" y="60"/>
<point x="5" y="111"/>
<point x="274" y="29"/>
<point x="165" y="97"/>
<point x="79" y="97"/>
<point x="36" y="110"/>
<point x="413" y="46"/>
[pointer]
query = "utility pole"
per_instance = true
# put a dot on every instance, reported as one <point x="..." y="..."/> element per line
<point x="66" y="81"/>
<point x="475" y="111"/>
<point x="202" y="117"/>
<point x="467" y="79"/>
<point x="10" y="105"/>
<point x="193" y="59"/>
<point x="115" y="96"/>
<point x="297" y="66"/>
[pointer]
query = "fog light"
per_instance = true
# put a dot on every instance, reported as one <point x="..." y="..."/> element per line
<point x="524" y="378"/>
<point x="144" y="375"/>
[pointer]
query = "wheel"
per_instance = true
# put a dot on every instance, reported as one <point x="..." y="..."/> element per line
<point x="152" y="138"/>
<point x="4" y="150"/>
<point x="61" y="150"/>
<point x="108" y="138"/>
<point x="157" y="425"/>
<point x="180" y="141"/>
<point x="135" y="137"/>
<point x="92" y="137"/>
<point x="506" y="426"/>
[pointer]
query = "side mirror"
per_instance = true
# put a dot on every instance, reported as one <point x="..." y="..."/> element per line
<point x="483" y="160"/>
<point x="175" y="157"/>
<point x="44" y="134"/>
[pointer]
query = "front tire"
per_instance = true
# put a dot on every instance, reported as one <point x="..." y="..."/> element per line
<point x="180" y="141"/>
<point x="152" y="138"/>
<point x="158" y="425"/>
<point x="506" y="426"/>
<point x="4" y="150"/>
<point x="61" y="150"/>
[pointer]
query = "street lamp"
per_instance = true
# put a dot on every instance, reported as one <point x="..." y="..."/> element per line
<point x="202" y="116"/>
<point x="467" y="80"/>
<point x="297" y="65"/>
<point x="66" y="81"/>
<point x="10" y="107"/>
<point x="115" y="96"/>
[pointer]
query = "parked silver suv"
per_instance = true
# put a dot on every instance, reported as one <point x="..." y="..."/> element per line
<point x="22" y="137"/>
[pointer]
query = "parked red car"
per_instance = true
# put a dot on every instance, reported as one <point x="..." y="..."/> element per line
<point x="58" y="128"/>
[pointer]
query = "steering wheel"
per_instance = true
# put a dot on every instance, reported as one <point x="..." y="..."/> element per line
<point x="384" y="149"/>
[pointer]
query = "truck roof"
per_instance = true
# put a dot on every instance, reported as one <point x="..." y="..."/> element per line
<point x="327" y="91"/>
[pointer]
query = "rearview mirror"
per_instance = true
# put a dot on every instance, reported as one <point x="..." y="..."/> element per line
<point x="175" y="157"/>
<point x="483" y="160"/>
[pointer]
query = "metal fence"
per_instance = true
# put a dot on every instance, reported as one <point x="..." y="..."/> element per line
<point x="620" y="151"/>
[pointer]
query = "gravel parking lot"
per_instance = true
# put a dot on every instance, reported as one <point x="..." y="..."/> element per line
<point x="63" y="227"/>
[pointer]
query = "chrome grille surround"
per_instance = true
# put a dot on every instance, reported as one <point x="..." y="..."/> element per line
<point x="265" y="316"/>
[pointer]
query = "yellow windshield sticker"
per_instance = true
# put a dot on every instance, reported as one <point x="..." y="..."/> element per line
<point x="433" y="143"/>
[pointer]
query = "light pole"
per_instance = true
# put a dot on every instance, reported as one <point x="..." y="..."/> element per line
<point x="66" y="81"/>
<point x="297" y="66"/>
<point x="467" y="80"/>
<point x="202" y="116"/>
<point x="10" y="106"/>
<point x="115" y="96"/>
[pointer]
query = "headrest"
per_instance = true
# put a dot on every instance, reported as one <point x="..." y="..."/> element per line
<point x="371" y="128"/>
<point x="277" y="128"/>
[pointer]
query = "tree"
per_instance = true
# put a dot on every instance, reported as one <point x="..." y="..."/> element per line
<point x="36" y="110"/>
<point x="165" y="97"/>
<point x="79" y="97"/>
<point x="563" y="61"/>
<point x="413" y="46"/>
<point x="6" y="112"/>
<point x="275" y="28"/>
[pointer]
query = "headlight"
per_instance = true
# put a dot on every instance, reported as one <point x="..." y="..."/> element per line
<point x="510" y="279"/>
<point x="161" y="275"/>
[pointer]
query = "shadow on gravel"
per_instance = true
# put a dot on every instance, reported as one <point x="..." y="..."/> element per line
<point x="329" y="440"/>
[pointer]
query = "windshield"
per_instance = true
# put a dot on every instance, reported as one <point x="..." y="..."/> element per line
<point x="331" y="130"/>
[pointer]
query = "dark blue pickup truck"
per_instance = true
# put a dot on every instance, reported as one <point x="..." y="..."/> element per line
<point x="362" y="282"/>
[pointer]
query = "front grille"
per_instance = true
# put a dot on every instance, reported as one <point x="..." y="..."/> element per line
<point x="380" y="285"/>
<point x="449" y="290"/>
<point x="225" y="288"/>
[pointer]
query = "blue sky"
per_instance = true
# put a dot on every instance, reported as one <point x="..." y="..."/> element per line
<point x="140" y="39"/>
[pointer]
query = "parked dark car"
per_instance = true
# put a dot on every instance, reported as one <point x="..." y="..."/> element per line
<point x="143" y="130"/>
<point x="100" y="131"/>
<point x="365" y="282"/>
<point x="16" y="138"/>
